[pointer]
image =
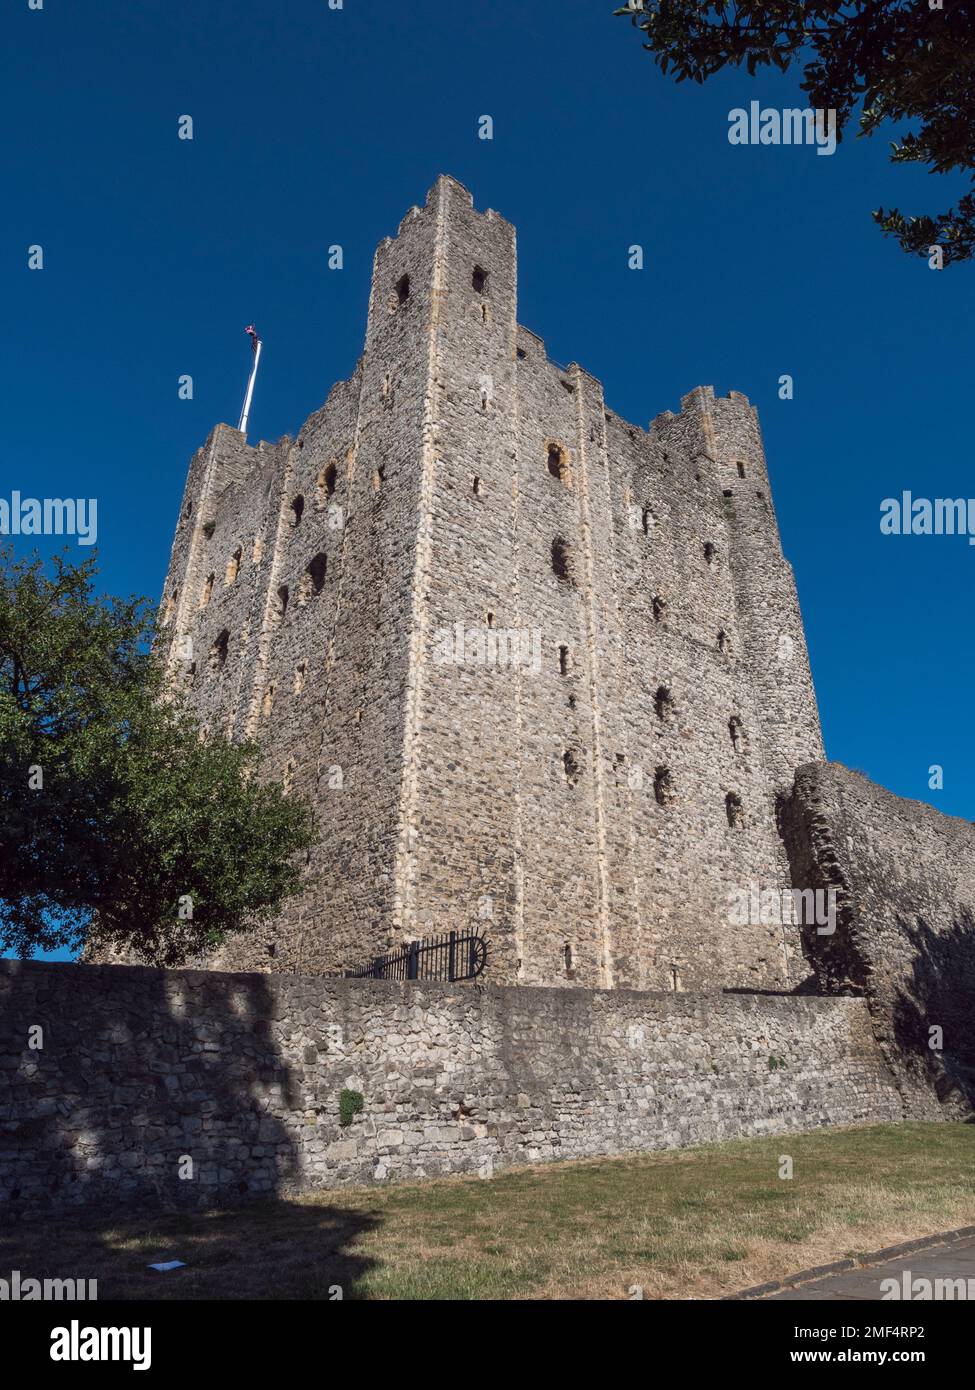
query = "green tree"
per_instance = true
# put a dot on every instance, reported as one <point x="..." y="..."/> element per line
<point x="116" y="816"/>
<point x="893" y="61"/>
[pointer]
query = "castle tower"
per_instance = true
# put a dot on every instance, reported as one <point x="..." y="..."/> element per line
<point x="536" y="669"/>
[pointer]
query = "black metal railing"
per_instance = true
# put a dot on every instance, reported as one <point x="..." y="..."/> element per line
<point x="450" y="957"/>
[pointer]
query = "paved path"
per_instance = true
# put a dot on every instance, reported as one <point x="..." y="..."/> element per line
<point x="954" y="1261"/>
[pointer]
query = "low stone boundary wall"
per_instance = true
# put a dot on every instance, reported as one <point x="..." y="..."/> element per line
<point x="127" y="1087"/>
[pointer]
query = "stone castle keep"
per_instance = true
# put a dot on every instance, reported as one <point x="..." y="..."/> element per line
<point x="541" y="671"/>
<point x="536" y="668"/>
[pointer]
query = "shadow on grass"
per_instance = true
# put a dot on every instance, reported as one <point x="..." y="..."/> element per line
<point x="274" y="1250"/>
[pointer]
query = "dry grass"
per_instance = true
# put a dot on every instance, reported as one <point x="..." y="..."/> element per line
<point x="695" y="1223"/>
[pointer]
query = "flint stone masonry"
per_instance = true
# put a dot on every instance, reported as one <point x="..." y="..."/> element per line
<point x="904" y="876"/>
<point x="312" y="581"/>
<point x="143" y="1069"/>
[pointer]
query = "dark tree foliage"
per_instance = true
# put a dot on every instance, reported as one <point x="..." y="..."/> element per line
<point x="876" y="61"/>
<point x="117" y="819"/>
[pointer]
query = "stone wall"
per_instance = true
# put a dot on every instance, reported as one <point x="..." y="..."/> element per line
<point x="904" y="876"/>
<point x="141" y="1071"/>
<point x="593" y="806"/>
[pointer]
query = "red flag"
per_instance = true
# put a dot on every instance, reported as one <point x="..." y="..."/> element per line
<point x="254" y="338"/>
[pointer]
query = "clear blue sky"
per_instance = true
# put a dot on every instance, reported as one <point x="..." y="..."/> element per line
<point x="315" y="126"/>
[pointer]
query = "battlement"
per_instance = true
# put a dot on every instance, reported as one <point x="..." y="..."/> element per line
<point x="537" y="669"/>
<point x="445" y="189"/>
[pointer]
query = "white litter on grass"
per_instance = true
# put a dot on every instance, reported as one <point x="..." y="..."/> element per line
<point x="166" y="1266"/>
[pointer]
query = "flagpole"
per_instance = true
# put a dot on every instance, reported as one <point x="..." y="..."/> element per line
<point x="250" y="386"/>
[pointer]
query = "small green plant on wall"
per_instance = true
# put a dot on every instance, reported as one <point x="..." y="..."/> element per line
<point x="350" y="1104"/>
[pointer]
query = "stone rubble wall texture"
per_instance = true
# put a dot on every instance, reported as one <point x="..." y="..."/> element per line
<point x="142" y="1069"/>
<point x="904" y="876"/>
<point x="451" y="795"/>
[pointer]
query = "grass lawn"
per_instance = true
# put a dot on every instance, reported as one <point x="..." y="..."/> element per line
<point x="693" y="1223"/>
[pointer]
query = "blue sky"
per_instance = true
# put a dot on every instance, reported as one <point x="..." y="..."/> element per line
<point x="315" y="126"/>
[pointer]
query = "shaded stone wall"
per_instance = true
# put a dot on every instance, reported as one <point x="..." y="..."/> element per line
<point x="143" y="1072"/>
<point x="728" y="646"/>
<point x="577" y="801"/>
<point x="904" y="877"/>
